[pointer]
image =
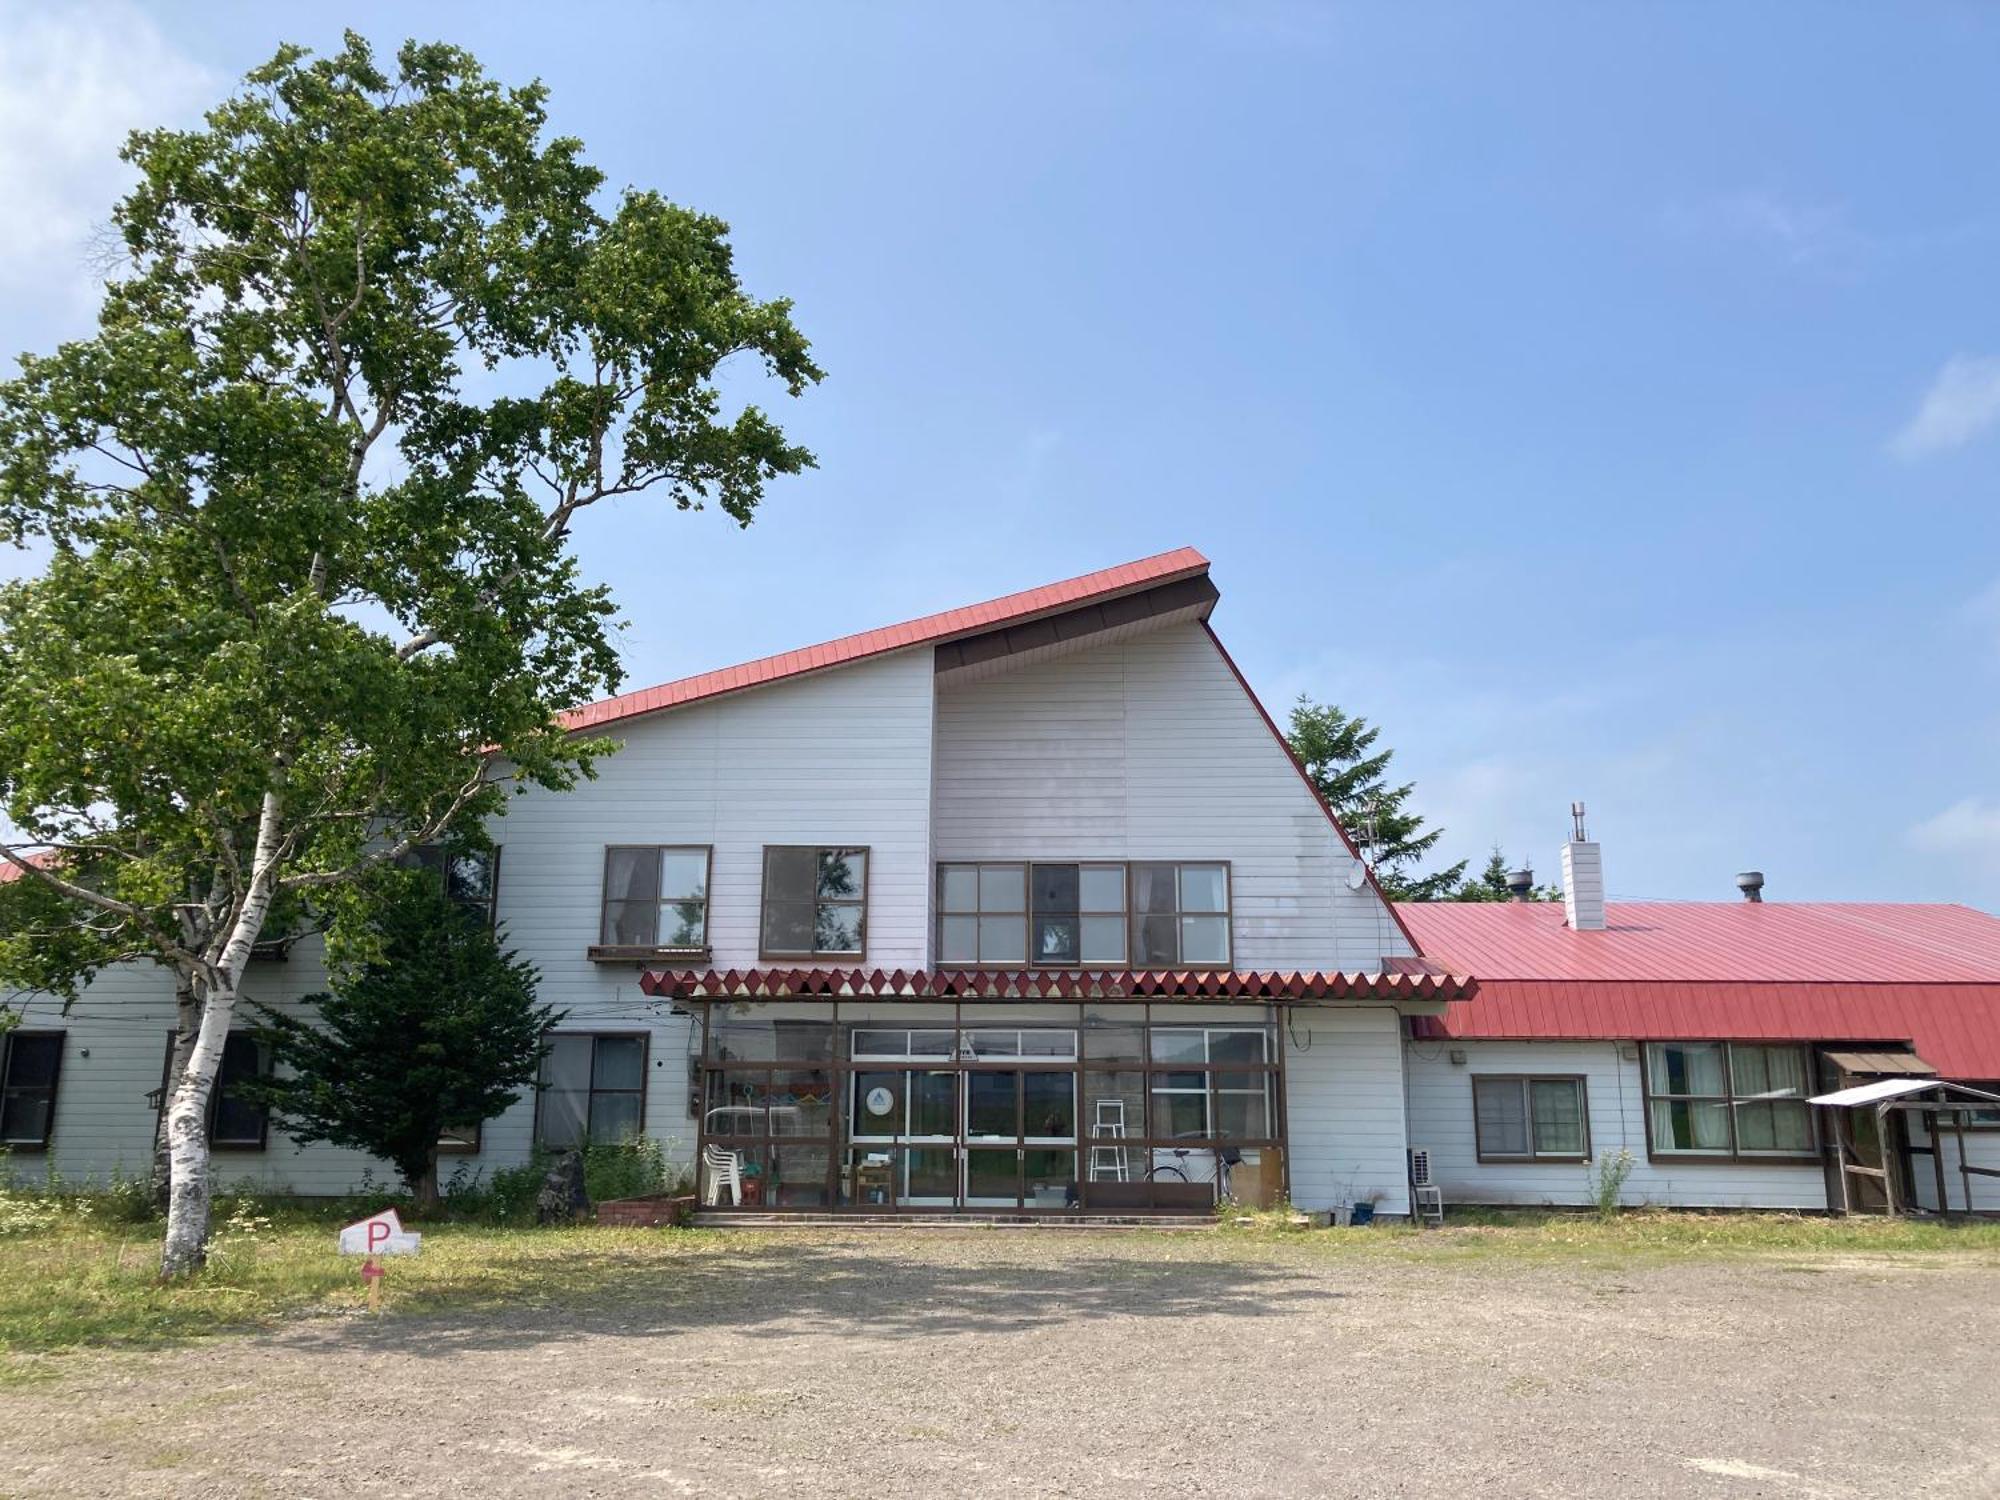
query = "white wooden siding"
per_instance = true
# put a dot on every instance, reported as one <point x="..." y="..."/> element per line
<point x="1441" y="1119"/>
<point x="1150" y="749"/>
<point x="1344" y="1089"/>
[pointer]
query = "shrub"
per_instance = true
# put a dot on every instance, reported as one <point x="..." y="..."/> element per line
<point x="634" y="1167"/>
<point x="1607" y="1179"/>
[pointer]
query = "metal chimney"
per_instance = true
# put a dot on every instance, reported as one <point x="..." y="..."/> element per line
<point x="1520" y="883"/>
<point x="1751" y="884"/>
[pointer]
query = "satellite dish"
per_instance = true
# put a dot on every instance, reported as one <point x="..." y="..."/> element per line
<point x="1357" y="875"/>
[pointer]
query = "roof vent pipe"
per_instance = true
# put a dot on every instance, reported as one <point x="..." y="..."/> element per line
<point x="1520" y="883"/>
<point x="1751" y="884"/>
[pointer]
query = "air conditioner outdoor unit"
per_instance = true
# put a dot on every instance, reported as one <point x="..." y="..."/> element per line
<point x="1420" y="1166"/>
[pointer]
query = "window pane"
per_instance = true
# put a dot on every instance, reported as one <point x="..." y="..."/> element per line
<point x="1003" y="940"/>
<point x="1103" y="940"/>
<point x="1048" y="1044"/>
<point x="1686" y="1068"/>
<point x="1048" y="1104"/>
<point x="837" y="928"/>
<point x="790" y="874"/>
<point x="1003" y="888"/>
<point x="1237" y="1046"/>
<point x="1055" y="888"/>
<point x="238" y="1121"/>
<point x="986" y="1044"/>
<point x="1761" y="1072"/>
<point x="958" y="940"/>
<point x="31" y="1060"/>
<point x="631" y="875"/>
<point x="1241" y="1110"/>
<point x="613" y="1117"/>
<point x="1179" y="1116"/>
<point x="684" y="924"/>
<point x="24" y="1116"/>
<point x="989" y="1104"/>
<point x="1502" y="1116"/>
<point x="1114" y="1107"/>
<point x="932" y="1044"/>
<point x="469" y="877"/>
<point x="880" y="1043"/>
<point x="801" y="1102"/>
<point x="1558" y="1110"/>
<point x="619" y="1063"/>
<point x="630" y="924"/>
<point x="1102" y="888"/>
<point x="1055" y="940"/>
<point x="788" y="927"/>
<point x="683" y="874"/>
<point x="1179" y="1046"/>
<point x="1152" y="888"/>
<point x="1204" y="888"/>
<point x="1154" y="942"/>
<point x="878" y="1102"/>
<point x="843" y="873"/>
<point x="993" y="1175"/>
<point x="958" y="888"/>
<point x="1204" y="940"/>
<point x="1773" y="1126"/>
<point x="1114" y="1032"/>
<point x="1690" y="1125"/>
<point x="566" y="1091"/>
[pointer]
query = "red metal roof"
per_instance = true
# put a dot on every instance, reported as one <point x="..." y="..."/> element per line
<point x="931" y="630"/>
<point x="1798" y="971"/>
<point x="11" y="871"/>
<point x="1409" y="981"/>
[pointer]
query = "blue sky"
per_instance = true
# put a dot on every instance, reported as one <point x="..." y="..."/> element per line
<point x="1604" y="401"/>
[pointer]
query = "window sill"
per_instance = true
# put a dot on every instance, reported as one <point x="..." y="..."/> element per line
<point x="620" y="953"/>
<point x="1727" y="1159"/>
<point x="843" y="959"/>
<point x="1533" y="1161"/>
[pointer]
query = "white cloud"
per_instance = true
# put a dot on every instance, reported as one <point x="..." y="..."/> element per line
<point x="73" y="83"/>
<point x="1967" y="830"/>
<point x="1961" y="404"/>
<point x="1802" y="235"/>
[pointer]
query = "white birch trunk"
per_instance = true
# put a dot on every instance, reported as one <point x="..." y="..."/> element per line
<point x="190" y="1178"/>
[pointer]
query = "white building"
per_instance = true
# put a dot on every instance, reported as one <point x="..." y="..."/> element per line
<point x="1021" y="907"/>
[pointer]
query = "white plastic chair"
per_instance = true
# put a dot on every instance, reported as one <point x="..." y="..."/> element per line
<point x="721" y="1169"/>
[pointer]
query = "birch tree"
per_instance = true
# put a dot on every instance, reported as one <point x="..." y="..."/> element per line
<point x="375" y="344"/>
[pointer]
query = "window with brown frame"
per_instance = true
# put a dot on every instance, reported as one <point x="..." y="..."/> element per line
<point x="655" y="897"/>
<point x="471" y="876"/>
<point x="235" y="1122"/>
<point x="593" y="1088"/>
<point x="1726" y="1100"/>
<point x="1530" y="1117"/>
<point x="30" y="1067"/>
<point x="459" y="1140"/>
<point x="815" y="902"/>
<point x="1084" y="914"/>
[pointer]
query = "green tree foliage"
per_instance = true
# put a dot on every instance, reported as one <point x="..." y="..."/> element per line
<point x="437" y="1028"/>
<point x="1490" y="884"/>
<point x="1339" y="754"/>
<point x="378" y="343"/>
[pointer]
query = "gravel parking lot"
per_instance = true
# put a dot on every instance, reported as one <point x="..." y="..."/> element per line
<point x="1049" y="1363"/>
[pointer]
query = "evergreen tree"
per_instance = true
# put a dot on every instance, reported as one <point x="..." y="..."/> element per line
<point x="1490" y="884"/>
<point x="1338" y="751"/>
<point x="435" y="1028"/>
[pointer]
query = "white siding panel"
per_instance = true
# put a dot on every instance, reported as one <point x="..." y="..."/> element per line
<point x="1441" y="1120"/>
<point x="1344" y="1089"/>
<point x="1150" y="749"/>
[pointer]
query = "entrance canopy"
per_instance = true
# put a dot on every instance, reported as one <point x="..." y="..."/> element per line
<point x="1885" y="1089"/>
<point x="1407" y="981"/>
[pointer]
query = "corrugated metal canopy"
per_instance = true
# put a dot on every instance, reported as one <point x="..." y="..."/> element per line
<point x="1886" y="1064"/>
<point x="1898" y="1088"/>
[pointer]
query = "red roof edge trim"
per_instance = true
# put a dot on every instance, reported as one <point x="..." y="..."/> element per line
<point x="930" y="630"/>
<point x="1029" y="984"/>
<point x="1300" y="766"/>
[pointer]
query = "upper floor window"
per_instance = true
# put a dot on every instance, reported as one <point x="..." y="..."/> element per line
<point x="471" y="876"/>
<point x="815" y="902"/>
<point x="1153" y="914"/>
<point x="1517" y="1117"/>
<point x="1727" y="1099"/>
<point x="655" y="896"/>
<point x="30" y="1064"/>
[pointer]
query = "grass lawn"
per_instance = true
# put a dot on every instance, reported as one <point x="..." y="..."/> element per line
<point x="81" y="1282"/>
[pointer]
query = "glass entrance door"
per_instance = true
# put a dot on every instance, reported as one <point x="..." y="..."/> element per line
<point x="1020" y="1138"/>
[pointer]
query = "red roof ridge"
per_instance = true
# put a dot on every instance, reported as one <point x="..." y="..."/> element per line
<point x="929" y="630"/>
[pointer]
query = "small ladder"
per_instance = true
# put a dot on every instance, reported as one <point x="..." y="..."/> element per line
<point x="1107" y="1162"/>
